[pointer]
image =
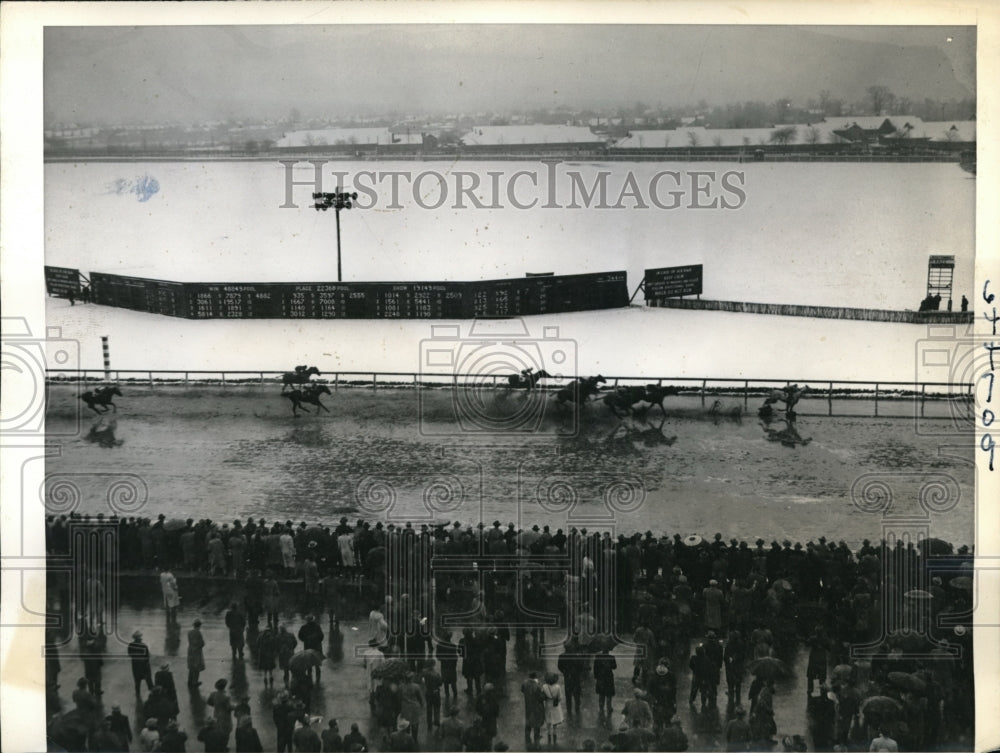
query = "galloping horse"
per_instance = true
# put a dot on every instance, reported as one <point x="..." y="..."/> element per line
<point x="580" y="390"/>
<point x="527" y="379"/>
<point x="308" y="395"/>
<point x="103" y="397"/>
<point x="638" y="400"/>
<point x="299" y="376"/>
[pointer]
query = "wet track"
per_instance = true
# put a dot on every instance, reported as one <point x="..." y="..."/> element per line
<point x="396" y="454"/>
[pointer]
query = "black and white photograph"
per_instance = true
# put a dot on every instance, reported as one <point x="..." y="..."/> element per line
<point x="594" y="380"/>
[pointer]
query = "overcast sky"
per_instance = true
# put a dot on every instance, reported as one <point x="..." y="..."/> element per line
<point x="199" y="73"/>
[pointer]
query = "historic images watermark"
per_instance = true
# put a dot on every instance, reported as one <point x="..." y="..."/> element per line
<point x="551" y="184"/>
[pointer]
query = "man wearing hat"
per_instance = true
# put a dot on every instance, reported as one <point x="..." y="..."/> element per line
<point x="673" y="738"/>
<point x="120" y="724"/>
<point x="534" y="711"/>
<point x="637" y="711"/>
<point x="661" y="687"/>
<point x="306" y="738"/>
<point x="624" y="739"/>
<point x="215" y="740"/>
<point x="311" y="635"/>
<point x="738" y="735"/>
<point x="451" y="730"/>
<point x="138" y="652"/>
<point x="714" y="600"/>
<point x="330" y="738"/>
<point x="401" y="739"/>
<point x="164" y="678"/>
<point x="173" y="740"/>
<point x="195" y="654"/>
<point x="149" y="738"/>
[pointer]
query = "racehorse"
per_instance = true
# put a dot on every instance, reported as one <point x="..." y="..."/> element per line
<point x="527" y="379"/>
<point x="580" y="390"/>
<point x="719" y="411"/>
<point x="103" y="397"/>
<point x="650" y="436"/>
<point x="308" y="395"/>
<point x="789" y="395"/>
<point x="301" y="375"/>
<point x="638" y="400"/>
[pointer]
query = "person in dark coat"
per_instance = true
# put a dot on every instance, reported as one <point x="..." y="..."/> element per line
<point x="570" y="666"/>
<point x="354" y="741"/>
<point x="447" y="655"/>
<point x="138" y="652"/>
<point x="214" y="739"/>
<point x="93" y="661"/>
<point x="475" y="739"/>
<point x="311" y="635"/>
<point x="305" y="738"/>
<point x="120" y="724"/>
<point x="284" y="722"/>
<point x="164" y="678"/>
<point x="431" y="679"/>
<point x="604" y="675"/>
<point x="452" y="731"/>
<point x="267" y="654"/>
<point x="488" y="707"/>
<point x="106" y="741"/>
<point x="286" y="649"/>
<point x="402" y="740"/>
<point x="331" y="739"/>
<point x="236" y="621"/>
<point x="534" y="711"/>
<point x="195" y="654"/>
<point x="173" y="740"/>
<point x="738" y="736"/>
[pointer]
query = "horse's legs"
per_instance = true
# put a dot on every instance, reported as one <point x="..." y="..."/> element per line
<point x="114" y="406"/>
<point x="322" y="406"/>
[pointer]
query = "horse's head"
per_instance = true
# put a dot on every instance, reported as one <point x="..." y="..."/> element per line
<point x="599" y="379"/>
<point x="113" y="390"/>
<point x="314" y="370"/>
<point x="322" y="389"/>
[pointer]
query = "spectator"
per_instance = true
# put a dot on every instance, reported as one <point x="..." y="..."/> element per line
<point x="236" y="622"/>
<point x="173" y="740"/>
<point x="534" y="711"/>
<point x="330" y="738"/>
<point x="432" y="693"/>
<point x="267" y="654"/>
<point x="604" y="675"/>
<point x="222" y="704"/>
<point x="214" y="739"/>
<point x="311" y="635"/>
<point x="195" y="654"/>
<point x="149" y="738"/>
<point x="884" y="743"/>
<point x="554" y="716"/>
<point x="286" y="648"/>
<point x="139" y="654"/>
<point x="411" y="703"/>
<point x="305" y="738"/>
<point x="171" y="596"/>
<point x="354" y="741"/>
<point x="738" y="735"/>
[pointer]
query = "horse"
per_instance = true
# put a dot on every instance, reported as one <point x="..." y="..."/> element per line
<point x="308" y="395"/>
<point x="789" y="395"/>
<point x="103" y="397"/>
<point x="656" y="394"/>
<point x="625" y="399"/>
<point x="580" y="390"/>
<point x="527" y="379"/>
<point x="301" y="375"/>
<point x="720" y="411"/>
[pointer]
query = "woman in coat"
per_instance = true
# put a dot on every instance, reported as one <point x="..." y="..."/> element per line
<point x="195" y="655"/>
<point x="554" y="716"/>
<point x="604" y="673"/>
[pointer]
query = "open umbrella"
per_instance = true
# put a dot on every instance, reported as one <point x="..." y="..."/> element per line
<point x="304" y="660"/>
<point x="175" y="524"/>
<point x="770" y="667"/>
<point x="935" y="546"/>
<point x="962" y="583"/>
<point x="843" y="673"/>
<point x="693" y="540"/>
<point x="881" y="705"/>
<point x="905" y="681"/>
<point x="392" y="669"/>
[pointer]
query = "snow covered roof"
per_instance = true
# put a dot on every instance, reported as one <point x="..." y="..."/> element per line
<point x="529" y="134"/>
<point x="341" y="136"/>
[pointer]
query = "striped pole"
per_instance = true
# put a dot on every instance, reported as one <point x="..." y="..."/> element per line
<point x="107" y="358"/>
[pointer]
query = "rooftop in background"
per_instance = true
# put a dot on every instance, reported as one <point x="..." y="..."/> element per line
<point x="530" y="134"/>
<point x="343" y="136"/>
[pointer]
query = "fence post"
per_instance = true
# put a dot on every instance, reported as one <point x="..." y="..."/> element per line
<point x="262" y="377"/>
<point x="746" y="395"/>
<point x="374" y="382"/>
<point x="876" y="399"/>
<point x="223" y="378"/>
<point x="151" y="379"/>
<point x="336" y="381"/>
<point x="703" y="382"/>
<point x="923" y="398"/>
<point x="829" y="400"/>
<point x="185" y="379"/>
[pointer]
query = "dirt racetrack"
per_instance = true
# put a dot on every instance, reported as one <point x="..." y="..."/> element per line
<point x="403" y="455"/>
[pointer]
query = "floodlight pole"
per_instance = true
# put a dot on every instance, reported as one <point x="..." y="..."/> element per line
<point x="336" y="201"/>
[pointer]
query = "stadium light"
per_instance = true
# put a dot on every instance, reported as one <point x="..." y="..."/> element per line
<point x="337" y="200"/>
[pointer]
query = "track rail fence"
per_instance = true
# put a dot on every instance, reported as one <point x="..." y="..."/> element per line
<point x="946" y="400"/>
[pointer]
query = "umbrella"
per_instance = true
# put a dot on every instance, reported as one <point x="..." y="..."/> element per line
<point x="304" y="660"/>
<point x="391" y="669"/>
<point x="693" y="540"/>
<point x="918" y="595"/>
<point x="314" y="533"/>
<point x="175" y="524"/>
<point x="881" y="705"/>
<point x="843" y="673"/>
<point x="962" y="582"/>
<point x="783" y="584"/>
<point x="935" y="546"/>
<point x="906" y="681"/>
<point x="770" y="667"/>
